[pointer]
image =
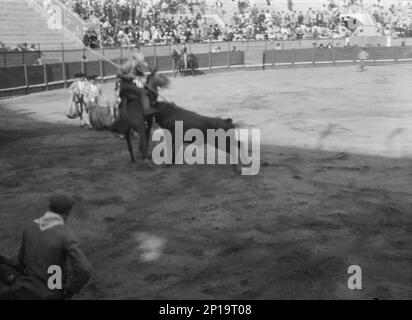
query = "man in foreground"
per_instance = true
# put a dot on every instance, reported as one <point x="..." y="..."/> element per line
<point x="49" y="245"/>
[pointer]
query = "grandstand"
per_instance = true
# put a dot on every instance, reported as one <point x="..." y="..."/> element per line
<point x="26" y="21"/>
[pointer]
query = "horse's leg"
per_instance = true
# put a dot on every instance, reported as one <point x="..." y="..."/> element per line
<point x="235" y="149"/>
<point x="141" y="130"/>
<point x="173" y="149"/>
<point x="143" y="143"/>
<point x="127" y="136"/>
<point x="148" y="131"/>
<point x="80" y="104"/>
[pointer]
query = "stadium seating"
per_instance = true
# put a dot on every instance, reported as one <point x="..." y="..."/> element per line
<point x="21" y="23"/>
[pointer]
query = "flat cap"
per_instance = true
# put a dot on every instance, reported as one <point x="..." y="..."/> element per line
<point x="61" y="203"/>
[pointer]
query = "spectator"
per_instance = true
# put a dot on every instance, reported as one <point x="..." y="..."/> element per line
<point x="49" y="242"/>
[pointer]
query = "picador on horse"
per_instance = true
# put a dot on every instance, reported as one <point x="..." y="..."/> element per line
<point x="137" y="101"/>
<point x="139" y="107"/>
<point x="132" y="82"/>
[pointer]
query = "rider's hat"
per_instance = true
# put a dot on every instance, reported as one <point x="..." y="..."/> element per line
<point x="92" y="77"/>
<point x="139" y="56"/>
<point x="125" y="77"/>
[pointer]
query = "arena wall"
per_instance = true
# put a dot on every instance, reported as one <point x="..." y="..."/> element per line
<point x="26" y="79"/>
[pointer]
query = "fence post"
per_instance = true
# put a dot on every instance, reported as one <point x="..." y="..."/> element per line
<point x="5" y="58"/>
<point x="64" y="67"/>
<point x="83" y="65"/>
<point x="354" y="55"/>
<point x="155" y="55"/>
<point x="228" y="54"/>
<point x="263" y="60"/>
<point x="46" y="82"/>
<point x="210" y="56"/>
<point x="293" y="56"/>
<point x="102" y="71"/>
<point x="333" y="56"/>
<point x="396" y="55"/>
<point x="22" y="58"/>
<point x="26" y="79"/>
<point x="173" y="64"/>
<point x="313" y="56"/>
<point x="273" y="58"/>
<point x="121" y="55"/>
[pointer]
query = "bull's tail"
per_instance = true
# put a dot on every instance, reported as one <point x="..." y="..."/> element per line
<point x="238" y="124"/>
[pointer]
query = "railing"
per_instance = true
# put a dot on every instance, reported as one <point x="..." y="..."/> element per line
<point x="25" y="79"/>
<point x="111" y="53"/>
<point x="334" y="56"/>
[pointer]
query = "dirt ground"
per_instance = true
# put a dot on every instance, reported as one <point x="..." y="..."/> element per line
<point x="334" y="190"/>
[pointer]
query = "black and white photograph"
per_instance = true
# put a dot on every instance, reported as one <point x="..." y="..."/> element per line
<point x="223" y="152"/>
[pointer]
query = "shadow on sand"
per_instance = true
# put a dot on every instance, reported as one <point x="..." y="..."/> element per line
<point x="291" y="232"/>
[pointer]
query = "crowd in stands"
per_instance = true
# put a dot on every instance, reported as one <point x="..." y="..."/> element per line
<point x="23" y="47"/>
<point x="131" y="22"/>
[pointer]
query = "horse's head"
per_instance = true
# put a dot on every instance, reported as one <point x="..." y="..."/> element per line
<point x="155" y="80"/>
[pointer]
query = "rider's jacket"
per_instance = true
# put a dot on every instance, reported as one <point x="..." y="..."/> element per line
<point x="130" y="71"/>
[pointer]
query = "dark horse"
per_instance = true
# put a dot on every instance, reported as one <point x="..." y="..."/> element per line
<point x="131" y="115"/>
<point x="179" y="64"/>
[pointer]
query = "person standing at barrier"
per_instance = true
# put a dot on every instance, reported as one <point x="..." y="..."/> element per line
<point x="93" y="95"/>
<point x="363" y="56"/>
<point x="77" y="101"/>
<point x="100" y="113"/>
<point x="184" y="55"/>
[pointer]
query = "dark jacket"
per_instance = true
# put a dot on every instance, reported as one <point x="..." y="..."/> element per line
<point x="55" y="246"/>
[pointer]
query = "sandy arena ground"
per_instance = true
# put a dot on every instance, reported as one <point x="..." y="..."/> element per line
<point x="334" y="189"/>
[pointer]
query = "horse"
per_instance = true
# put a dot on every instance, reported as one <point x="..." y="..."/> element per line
<point x="131" y="116"/>
<point x="179" y="63"/>
<point x="168" y="113"/>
